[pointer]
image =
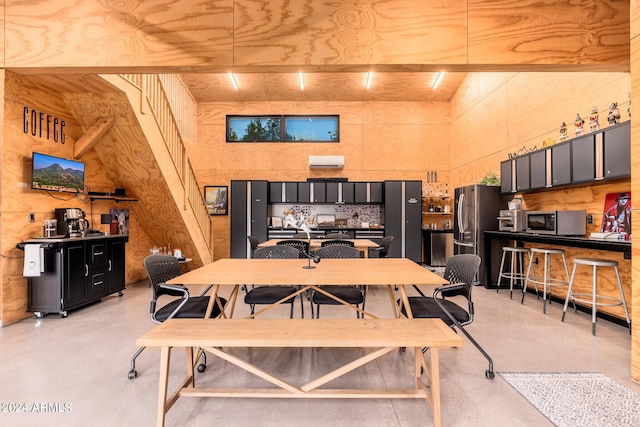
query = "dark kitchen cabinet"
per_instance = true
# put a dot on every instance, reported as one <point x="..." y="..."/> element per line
<point x="360" y="189"/>
<point x="561" y="164"/>
<point x="583" y="159"/>
<point x="77" y="272"/>
<point x="248" y="210"/>
<point x="319" y="192"/>
<point x="403" y="218"/>
<point x="116" y="266"/>
<point x="275" y="192"/>
<point x="376" y="192"/>
<point x="304" y="192"/>
<point x="291" y="192"/>
<point x="617" y="151"/>
<point x="332" y="192"/>
<point x="523" y="177"/>
<point x="538" y="169"/>
<point x="506" y="176"/>
<point x="348" y="192"/>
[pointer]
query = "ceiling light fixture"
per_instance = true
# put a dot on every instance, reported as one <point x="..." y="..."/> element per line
<point x="301" y="78"/>
<point x="438" y="79"/>
<point x="369" y="79"/>
<point x="233" y="81"/>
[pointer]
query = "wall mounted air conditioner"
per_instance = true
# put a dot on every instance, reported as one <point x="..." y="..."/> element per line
<point x="326" y="162"/>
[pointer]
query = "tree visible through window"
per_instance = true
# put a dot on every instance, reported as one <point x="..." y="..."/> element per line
<point x="282" y="128"/>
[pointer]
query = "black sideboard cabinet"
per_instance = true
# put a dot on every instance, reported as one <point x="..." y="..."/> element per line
<point x="77" y="272"/>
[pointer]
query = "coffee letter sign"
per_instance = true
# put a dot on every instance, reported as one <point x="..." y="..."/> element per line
<point x="43" y="125"/>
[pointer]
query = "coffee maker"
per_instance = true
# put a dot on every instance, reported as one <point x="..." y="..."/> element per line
<point x="71" y="222"/>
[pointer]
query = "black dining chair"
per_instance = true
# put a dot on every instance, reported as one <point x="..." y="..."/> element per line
<point x="355" y="295"/>
<point x="337" y="236"/>
<point x="160" y="269"/>
<point x="452" y="303"/>
<point x="263" y="295"/>
<point x="253" y="244"/>
<point x="301" y="245"/>
<point x="383" y="249"/>
<point x="337" y="242"/>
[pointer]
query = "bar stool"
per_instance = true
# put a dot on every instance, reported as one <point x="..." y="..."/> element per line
<point x="593" y="298"/>
<point x="517" y="270"/>
<point x="547" y="281"/>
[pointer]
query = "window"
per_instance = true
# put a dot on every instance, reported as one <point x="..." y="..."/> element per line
<point x="283" y="128"/>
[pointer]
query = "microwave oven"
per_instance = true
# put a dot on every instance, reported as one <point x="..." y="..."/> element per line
<point x="566" y="223"/>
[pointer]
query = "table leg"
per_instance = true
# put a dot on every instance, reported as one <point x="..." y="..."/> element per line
<point x="165" y="356"/>
<point x="435" y="385"/>
<point x="212" y="300"/>
<point x="405" y="301"/>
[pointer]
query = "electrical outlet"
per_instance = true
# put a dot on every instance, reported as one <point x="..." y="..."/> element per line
<point x="590" y="219"/>
<point x="32" y="217"/>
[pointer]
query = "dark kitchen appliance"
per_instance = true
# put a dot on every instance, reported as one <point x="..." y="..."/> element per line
<point x="476" y="208"/>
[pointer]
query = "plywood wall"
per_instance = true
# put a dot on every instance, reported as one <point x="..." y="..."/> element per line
<point x="385" y="140"/>
<point x="192" y="34"/>
<point x="17" y="197"/>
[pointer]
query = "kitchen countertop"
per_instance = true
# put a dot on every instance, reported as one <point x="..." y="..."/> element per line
<point x="439" y="230"/>
<point x="73" y="239"/>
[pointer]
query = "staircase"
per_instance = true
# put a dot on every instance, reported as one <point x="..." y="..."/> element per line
<point x="165" y="115"/>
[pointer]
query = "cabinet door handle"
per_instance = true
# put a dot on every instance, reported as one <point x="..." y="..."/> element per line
<point x="86" y="270"/>
<point x="98" y="283"/>
<point x="109" y="265"/>
<point x="98" y="253"/>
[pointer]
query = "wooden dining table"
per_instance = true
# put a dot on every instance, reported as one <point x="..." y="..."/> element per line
<point x="387" y="272"/>
<point x="374" y="335"/>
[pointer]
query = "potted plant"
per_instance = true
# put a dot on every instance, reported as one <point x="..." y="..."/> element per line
<point x="490" y="179"/>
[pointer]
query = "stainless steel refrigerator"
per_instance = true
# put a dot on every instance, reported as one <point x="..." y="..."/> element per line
<point x="476" y="210"/>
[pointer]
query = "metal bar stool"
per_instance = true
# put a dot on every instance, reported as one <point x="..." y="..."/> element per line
<point x="516" y="272"/>
<point x="547" y="281"/>
<point x="593" y="298"/>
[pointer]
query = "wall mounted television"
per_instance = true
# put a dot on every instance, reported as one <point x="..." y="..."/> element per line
<point x="56" y="174"/>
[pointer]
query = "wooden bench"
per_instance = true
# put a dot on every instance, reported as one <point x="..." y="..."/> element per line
<point x="381" y="335"/>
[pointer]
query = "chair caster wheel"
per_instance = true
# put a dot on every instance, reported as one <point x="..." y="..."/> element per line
<point x="132" y="374"/>
<point x="489" y="374"/>
<point x="202" y="367"/>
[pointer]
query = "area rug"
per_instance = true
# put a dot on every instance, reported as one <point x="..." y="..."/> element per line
<point x="577" y="398"/>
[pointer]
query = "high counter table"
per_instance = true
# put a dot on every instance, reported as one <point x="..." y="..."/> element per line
<point x="493" y="237"/>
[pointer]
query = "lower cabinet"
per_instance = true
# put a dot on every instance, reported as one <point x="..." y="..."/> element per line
<point x="77" y="272"/>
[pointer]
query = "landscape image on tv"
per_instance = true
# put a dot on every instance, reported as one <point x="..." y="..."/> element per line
<point x="57" y="174"/>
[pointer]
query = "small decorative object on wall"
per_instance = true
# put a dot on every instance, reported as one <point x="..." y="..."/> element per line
<point x="593" y="120"/>
<point x="548" y="142"/>
<point x="614" y="114"/>
<point x="617" y="214"/>
<point x="216" y="199"/>
<point x="579" y="123"/>
<point x="121" y="218"/>
<point x="563" y="131"/>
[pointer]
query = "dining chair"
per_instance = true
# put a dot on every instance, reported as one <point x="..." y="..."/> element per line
<point x="355" y="295"/>
<point x="301" y="245"/>
<point x="160" y="269"/>
<point x="452" y="303"/>
<point x="263" y="295"/>
<point x="337" y="242"/>
<point x="337" y="236"/>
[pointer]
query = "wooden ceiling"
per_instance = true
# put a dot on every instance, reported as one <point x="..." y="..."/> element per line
<point x="323" y="86"/>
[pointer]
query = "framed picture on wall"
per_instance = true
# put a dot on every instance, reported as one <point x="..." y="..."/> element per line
<point x="216" y="199"/>
<point x="120" y="221"/>
<point x="616" y="217"/>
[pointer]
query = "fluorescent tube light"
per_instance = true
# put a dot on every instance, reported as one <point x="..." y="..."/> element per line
<point x="301" y="78"/>
<point x="233" y="81"/>
<point x="369" y="79"/>
<point x="438" y="79"/>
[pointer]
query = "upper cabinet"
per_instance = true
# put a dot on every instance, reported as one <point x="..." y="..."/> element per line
<point x="331" y="192"/>
<point x="601" y="155"/>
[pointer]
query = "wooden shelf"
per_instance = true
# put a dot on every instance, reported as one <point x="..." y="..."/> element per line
<point x="116" y="198"/>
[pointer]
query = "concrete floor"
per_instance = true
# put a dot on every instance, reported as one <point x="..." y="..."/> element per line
<point x="73" y="371"/>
